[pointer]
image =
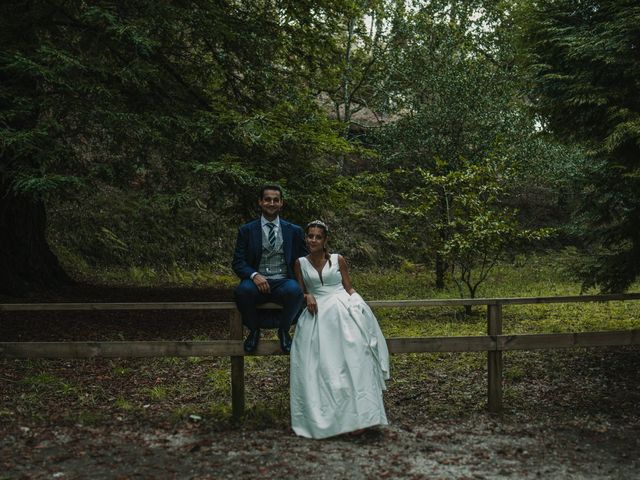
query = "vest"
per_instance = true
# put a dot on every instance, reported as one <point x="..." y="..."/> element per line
<point x="272" y="263"/>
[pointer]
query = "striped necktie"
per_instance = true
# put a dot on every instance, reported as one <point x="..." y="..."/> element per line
<point x="272" y="234"/>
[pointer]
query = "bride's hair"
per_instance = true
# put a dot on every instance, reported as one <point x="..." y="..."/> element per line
<point x="325" y="228"/>
<point x="318" y="224"/>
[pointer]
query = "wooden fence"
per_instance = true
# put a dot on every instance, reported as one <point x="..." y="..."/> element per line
<point x="494" y="343"/>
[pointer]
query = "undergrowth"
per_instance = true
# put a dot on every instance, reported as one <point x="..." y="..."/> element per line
<point x="595" y="381"/>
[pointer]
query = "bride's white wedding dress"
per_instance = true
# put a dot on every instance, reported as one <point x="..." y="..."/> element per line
<point x="339" y="360"/>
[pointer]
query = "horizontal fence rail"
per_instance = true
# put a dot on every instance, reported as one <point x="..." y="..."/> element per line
<point x="444" y="302"/>
<point x="229" y="348"/>
<point x="494" y="343"/>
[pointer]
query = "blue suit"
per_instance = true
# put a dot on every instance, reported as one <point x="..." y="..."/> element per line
<point x="285" y="292"/>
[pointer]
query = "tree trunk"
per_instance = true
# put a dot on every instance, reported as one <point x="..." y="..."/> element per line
<point x="440" y="269"/>
<point x="26" y="261"/>
<point x="441" y="265"/>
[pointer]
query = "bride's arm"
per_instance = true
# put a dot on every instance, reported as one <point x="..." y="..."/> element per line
<point x="344" y="271"/>
<point x="309" y="299"/>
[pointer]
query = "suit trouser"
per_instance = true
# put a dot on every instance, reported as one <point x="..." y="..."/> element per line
<point x="284" y="291"/>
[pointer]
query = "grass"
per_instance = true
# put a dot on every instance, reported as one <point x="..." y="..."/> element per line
<point x="532" y="276"/>
<point x="157" y="392"/>
<point x="457" y="382"/>
<point x="215" y="274"/>
<point x="423" y="386"/>
<point x="124" y="404"/>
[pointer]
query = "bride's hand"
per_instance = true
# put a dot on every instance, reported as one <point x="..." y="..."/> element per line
<point x="312" y="306"/>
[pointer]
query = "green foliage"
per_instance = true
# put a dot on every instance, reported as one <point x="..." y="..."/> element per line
<point x="147" y="128"/>
<point x="447" y="162"/>
<point x="525" y="275"/>
<point x="353" y="213"/>
<point x="182" y="105"/>
<point x="529" y="276"/>
<point x="124" y="404"/>
<point x="547" y="182"/>
<point x="586" y="67"/>
<point x="124" y="229"/>
<point x="461" y="214"/>
<point x="434" y="385"/>
<point x="453" y="98"/>
<point x="349" y="80"/>
<point x="157" y="392"/>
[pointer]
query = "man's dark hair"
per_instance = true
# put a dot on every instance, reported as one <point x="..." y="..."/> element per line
<point x="271" y="187"/>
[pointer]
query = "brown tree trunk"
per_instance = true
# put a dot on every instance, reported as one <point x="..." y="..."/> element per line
<point x="440" y="269"/>
<point x="26" y="261"/>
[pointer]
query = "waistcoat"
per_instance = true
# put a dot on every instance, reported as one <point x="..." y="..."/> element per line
<point x="272" y="263"/>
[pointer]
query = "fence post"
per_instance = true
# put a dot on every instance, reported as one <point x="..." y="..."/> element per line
<point x="494" y="359"/>
<point x="237" y="367"/>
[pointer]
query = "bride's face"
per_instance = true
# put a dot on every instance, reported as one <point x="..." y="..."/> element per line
<point x="316" y="239"/>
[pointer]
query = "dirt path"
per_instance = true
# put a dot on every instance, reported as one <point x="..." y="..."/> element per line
<point x="480" y="447"/>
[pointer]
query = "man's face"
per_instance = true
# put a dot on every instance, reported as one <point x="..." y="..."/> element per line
<point x="271" y="203"/>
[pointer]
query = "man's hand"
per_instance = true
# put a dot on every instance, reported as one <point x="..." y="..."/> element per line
<point x="262" y="284"/>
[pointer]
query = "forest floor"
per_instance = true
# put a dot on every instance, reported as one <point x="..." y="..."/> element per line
<point x="569" y="414"/>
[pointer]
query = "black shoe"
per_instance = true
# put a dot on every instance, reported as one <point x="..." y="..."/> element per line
<point x="251" y="342"/>
<point x="285" y="340"/>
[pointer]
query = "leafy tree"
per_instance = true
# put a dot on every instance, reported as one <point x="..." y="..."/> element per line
<point x="358" y="45"/>
<point x="454" y="89"/>
<point x="482" y="228"/>
<point x="586" y="61"/>
<point x="195" y="100"/>
<point x="478" y="226"/>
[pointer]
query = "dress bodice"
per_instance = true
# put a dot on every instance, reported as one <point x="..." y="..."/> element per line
<point x="329" y="282"/>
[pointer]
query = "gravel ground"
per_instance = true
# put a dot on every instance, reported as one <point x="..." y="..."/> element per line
<point x="479" y="447"/>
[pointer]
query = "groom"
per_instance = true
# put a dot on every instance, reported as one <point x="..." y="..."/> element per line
<point x="266" y="250"/>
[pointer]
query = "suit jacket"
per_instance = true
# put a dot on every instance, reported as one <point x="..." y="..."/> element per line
<point x="248" y="253"/>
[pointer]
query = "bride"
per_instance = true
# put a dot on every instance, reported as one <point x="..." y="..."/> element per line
<point x="339" y="357"/>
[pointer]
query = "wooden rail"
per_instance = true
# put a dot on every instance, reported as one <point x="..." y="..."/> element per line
<point x="494" y="343"/>
<point x="444" y="302"/>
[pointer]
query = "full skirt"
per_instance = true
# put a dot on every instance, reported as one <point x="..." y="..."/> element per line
<point x="339" y="364"/>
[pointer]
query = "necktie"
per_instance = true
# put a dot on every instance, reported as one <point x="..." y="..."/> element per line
<point x="272" y="234"/>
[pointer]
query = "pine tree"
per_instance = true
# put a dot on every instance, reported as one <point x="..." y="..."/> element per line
<point x="586" y="59"/>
